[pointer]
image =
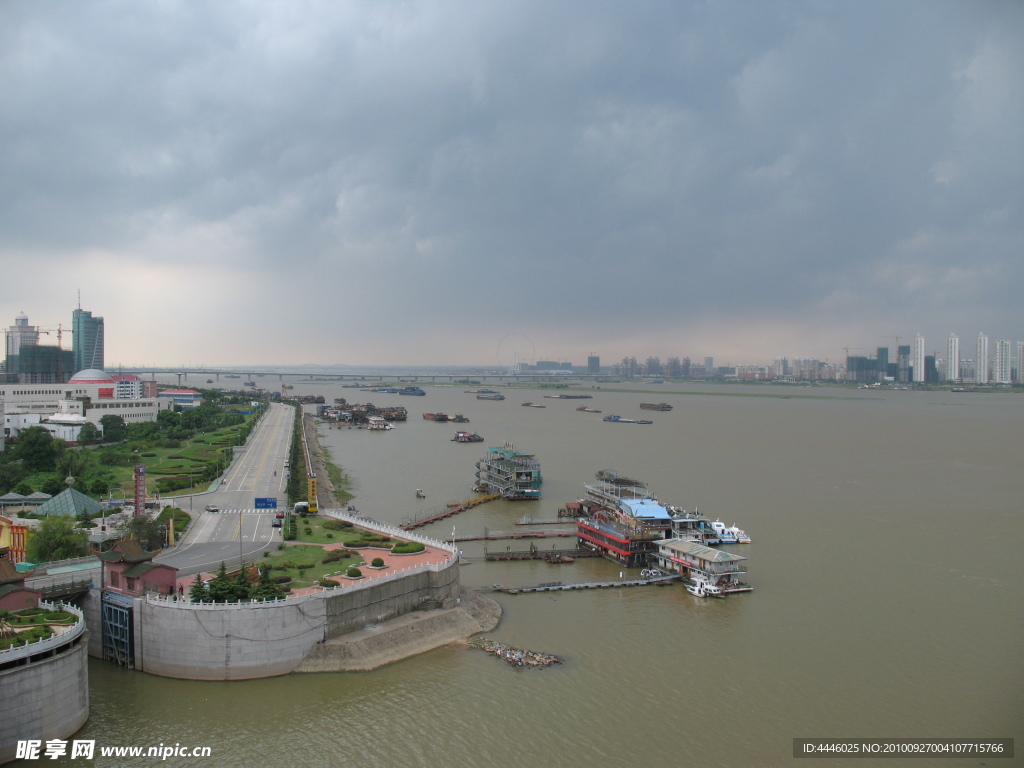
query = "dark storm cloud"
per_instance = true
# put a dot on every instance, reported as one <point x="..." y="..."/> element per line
<point x="588" y="171"/>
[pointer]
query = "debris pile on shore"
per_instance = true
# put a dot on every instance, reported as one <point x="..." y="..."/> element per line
<point x="517" y="657"/>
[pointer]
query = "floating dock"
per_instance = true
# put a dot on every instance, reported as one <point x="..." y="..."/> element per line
<point x="451" y="509"/>
<point x="540" y="554"/>
<point x="559" y="587"/>
<point x="499" y="535"/>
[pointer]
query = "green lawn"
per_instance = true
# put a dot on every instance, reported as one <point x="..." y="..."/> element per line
<point x="309" y="559"/>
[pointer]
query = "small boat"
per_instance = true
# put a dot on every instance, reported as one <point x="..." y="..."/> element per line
<point x="704" y="588"/>
<point x="420" y="494"/>
<point x="467" y="437"/>
<point x="458" y="418"/>
<point x="620" y="420"/>
<point x="725" y="536"/>
<point x="416" y="391"/>
<point x="534" y="405"/>
<point x="586" y="409"/>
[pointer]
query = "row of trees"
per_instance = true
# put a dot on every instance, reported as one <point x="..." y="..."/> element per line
<point x="224" y="589"/>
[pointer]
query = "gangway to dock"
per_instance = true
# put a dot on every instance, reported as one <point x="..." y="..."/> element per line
<point x="540" y="554"/>
<point x="559" y="587"/>
<point x="431" y="516"/>
<point x="499" y="535"/>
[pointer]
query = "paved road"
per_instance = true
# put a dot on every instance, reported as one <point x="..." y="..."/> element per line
<point x="238" y="531"/>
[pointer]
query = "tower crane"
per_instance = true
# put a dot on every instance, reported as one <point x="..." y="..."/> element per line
<point x="59" y="330"/>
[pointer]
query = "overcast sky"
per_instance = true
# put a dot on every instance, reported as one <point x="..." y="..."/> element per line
<point x="377" y="183"/>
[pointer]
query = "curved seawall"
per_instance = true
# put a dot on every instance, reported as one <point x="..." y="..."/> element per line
<point x="204" y="641"/>
<point x="44" y="689"/>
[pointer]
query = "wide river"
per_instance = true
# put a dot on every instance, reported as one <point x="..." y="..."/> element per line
<point x="886" y="563"/>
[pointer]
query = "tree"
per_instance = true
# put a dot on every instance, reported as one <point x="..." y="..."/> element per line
<point x="56" y="538"/>
<point x="264" y="588"/>
<point x="198" y="593"/>
<point x="220" y="589"/>
<point x="36" y="450"/>
<point x="72" y="464"/>
<point x="144" y="528"/>
<point x="89" y="433"/>
<point x="53" y="485"/>
<point x="113" y="428"/>
<point x="168" y="419"/>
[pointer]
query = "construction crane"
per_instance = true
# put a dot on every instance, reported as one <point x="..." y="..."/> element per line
<point x="59" y="330"/>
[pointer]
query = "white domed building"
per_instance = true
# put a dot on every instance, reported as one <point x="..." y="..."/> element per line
<point x="88" y="396"/>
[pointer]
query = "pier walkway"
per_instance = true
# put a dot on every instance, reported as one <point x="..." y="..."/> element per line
<point x="452" y="509"/>
<point x="498" y="535"/>
<point x="559" y="587"/>
<point x="540" y="554"/>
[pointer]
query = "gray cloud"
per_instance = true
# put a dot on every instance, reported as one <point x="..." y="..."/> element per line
<point x="415" y="179"/>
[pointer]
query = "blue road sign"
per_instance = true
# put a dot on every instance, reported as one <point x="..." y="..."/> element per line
<point x="266" y="503"/>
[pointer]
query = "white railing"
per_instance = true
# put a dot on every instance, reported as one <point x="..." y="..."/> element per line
<point x="389" y="530"/>
<point x="183" y="602"/>
<point x="54" y="641"/>
<point x="44" y="568"/>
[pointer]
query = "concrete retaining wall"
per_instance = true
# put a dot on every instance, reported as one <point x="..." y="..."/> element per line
<point x="379" y="602"/>
<point x="44" y="699"/>
<point x="227" y="643"/>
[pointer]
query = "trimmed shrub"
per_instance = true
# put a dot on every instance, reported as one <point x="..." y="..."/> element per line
<point x="353" y="573"/>
<point x="407" y="548"/>
<point x="329" y="583"/>
<point x="377" y="562"/>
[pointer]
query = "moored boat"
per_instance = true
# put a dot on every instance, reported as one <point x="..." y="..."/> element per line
<point x="467" y="437"/>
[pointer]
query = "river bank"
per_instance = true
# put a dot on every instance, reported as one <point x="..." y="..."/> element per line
<point x="410" y="635"/>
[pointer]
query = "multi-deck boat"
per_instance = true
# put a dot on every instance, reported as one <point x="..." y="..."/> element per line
<point x="505" y="471"/>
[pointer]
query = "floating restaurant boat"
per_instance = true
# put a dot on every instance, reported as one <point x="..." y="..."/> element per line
<point x="656" y="406"/>
<point x="513" y="475"/>
<point x="467" y="437"/>
<point x="620" y="420"/>
<point x="492" y="396"/>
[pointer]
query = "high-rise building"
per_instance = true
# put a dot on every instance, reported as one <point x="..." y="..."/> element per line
<point x="981" y="360"/>
<point x="1020" y="362"/>
<point x="882" y="355"/>
<point x="709" y="367"/>
<point x="1001" y="362"/>
<point x="918" y="363"/>
<point x="952" y="358"/>
<point x="903" y="363"/>
<point x="87" y="342"/>
<point x="593" y="365"/>
<point x="21" y="334"/>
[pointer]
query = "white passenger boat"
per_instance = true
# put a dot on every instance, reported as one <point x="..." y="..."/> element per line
<point x="703" y="588"/>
